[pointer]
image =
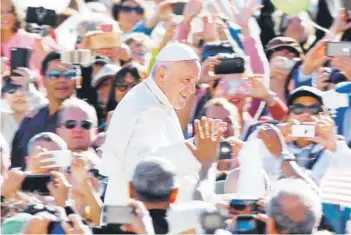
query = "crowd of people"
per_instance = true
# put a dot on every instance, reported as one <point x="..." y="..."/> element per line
<point x="175" y="117"/>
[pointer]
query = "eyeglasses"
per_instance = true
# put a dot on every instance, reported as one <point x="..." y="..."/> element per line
<point x="125" y="87"/>
<point x="56" y="74"/>
<point x="70" y="124"/>
<point x="300" y="109"/>
<point x="138" y="10"/>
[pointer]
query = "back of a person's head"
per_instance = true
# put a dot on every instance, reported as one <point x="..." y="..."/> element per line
<point x="295" y="208"/>
<point x="154" y="180"/>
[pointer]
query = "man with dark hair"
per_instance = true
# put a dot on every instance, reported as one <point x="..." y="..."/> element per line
<point x="60" y="85"/>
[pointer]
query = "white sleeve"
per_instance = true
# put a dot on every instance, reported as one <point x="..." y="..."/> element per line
<point x="151" y="138"/>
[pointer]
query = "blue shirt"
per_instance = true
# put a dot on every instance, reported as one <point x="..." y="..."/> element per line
<point x="41" y="122"/>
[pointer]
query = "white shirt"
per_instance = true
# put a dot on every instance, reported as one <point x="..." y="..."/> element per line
<point x="143" y="125"/>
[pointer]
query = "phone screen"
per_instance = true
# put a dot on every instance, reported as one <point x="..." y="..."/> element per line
<point x="335" y="49"/>
<point x="238" y="86"/>
<point x="178" y="8"/>
<point x="36" y="184"/>
<point x="225" y="151"/>
<point x="20" y="57"/>
<point x="245" y="225"/>
<point x="118" y="215"/>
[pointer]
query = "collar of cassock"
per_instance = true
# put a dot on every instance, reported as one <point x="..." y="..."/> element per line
<point x="161" y="97"/>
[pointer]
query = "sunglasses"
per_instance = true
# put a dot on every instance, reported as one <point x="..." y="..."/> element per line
<point x="56" y="74"/>
<point x="241" y="205"/>
<point x="70" y="124"/>
<point x="300" y="109"/>
<point x="11" y="88"/>
<point x="138" y="10"/>
<point x="125" y="87"/>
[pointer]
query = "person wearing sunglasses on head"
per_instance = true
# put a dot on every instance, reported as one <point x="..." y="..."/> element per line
<point x="59" y="82"/>
<point x="128" y="13"/>
<point x="77" y="124"/>
<point x="21" y="96"/>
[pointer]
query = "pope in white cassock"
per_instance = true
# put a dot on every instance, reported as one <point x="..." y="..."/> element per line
<point x="145" y="124"/>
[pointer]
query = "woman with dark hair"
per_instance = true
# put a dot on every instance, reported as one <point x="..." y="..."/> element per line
<point x="128" y="13"/>
<point x="13" y="36"/>
<point x="129" y="76"/>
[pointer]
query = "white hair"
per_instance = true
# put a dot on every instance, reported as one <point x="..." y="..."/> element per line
<point x="154" y="180"/>
<point x="309" y="201"/>
<point x="74" y="103"/>
<point x="48" y="137"/>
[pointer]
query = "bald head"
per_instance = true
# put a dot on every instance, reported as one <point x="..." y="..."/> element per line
<point x="295" y="208"/>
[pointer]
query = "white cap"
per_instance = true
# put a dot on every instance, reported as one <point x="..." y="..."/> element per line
<point x="175" y="51"/>
<point x="102" y="75"/>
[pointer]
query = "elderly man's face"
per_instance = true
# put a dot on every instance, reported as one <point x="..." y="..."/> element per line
<point x="178" y="81"/>
<point x="219" y="112"/>
<point x="76" y="129"/>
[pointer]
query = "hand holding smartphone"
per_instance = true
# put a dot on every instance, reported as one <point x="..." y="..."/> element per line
<point x="61" y="158"/>
<point x="338" y="49"/>
<point x="303" y="131"/>
<point x="118" y="214"/>
<point x="37" y="184"/>
<point x="20" y="57"/>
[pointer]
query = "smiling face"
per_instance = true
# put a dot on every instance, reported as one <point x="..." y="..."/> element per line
<point x="8" y="18"/>
<point x="177" y="80"/>
<point x="130" y="14"/>
<point x="17" y="101"/>
<point x="61" y="88"/>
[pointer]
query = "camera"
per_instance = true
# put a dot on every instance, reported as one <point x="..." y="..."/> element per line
<point x="41" y="16"/>
<point x="211" y="221"/>
<point x="303" y="130"/>
<point x="76" y="57"/>
<point x="225" y="150"/>
<point x="230" y="65"/>
<point x="248" y="224"/>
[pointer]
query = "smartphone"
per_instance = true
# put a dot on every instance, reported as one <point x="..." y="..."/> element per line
<point x="301" y="131"/>
<point x="76" y="57"/>
<point x="240" y="204"/>
<point x="41" y="16"/>
<point x="347" y="4"/>
<point x="62" y="158"/>
<point x="329" y="98"/>
<point x="211" y="221"/>
<point x="20" y="57"/>
<point x="118" y="215"/>
<point x="248" y="224"/>
<point x="230" y="66"/>
<point x="335" y="49"/>
<point x="238" y="86"/>
<point x="36" y="184"/>
<point x="55" y="227"/>
<point x="178" y="8"/>
<point x="225" y="150"/>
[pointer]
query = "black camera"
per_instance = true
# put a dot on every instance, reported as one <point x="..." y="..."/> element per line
<point x="249" y="224"/>
<point x="41" y="16"/>
<point x="225" y="150"/>
<point x="230" y="65"/>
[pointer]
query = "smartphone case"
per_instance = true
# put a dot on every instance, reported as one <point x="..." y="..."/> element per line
<point x="41" y="16"/>
<point x="20" y="57"/>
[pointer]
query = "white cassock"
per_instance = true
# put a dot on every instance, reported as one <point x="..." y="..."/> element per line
<point x="143" y="125"/>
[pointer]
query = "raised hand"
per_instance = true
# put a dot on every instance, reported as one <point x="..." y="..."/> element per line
<point x="325" y="133"/>
<point x="12" y="183"/>
<point x="59" y="188"/>
<point x="25" y="77"/>
<point x="191" y="10"/>
<point x="344" y="65"/>
<point x="341" y="23"/>
<point x="77" y="227"/>
<point x="315" y="58"/>
<point x="207" y="140"/>
<point x="207" y="68"/>
<point x="38" y="163"/>
<point x="243" y="15"/>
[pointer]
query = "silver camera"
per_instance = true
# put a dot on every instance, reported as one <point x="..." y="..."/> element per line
<point x="77" y="57"/>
